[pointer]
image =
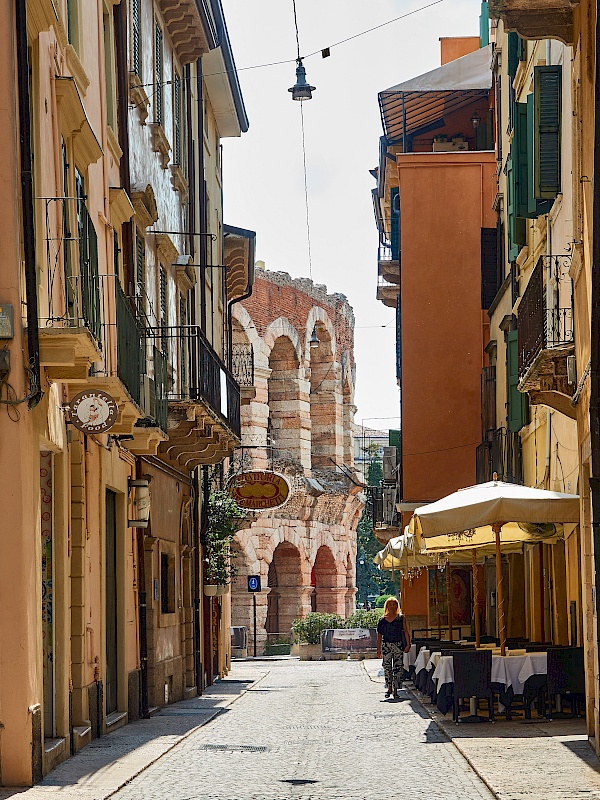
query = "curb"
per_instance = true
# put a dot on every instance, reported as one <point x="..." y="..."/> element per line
<point x="187" y="735"/>
<point x="431" y="714"/>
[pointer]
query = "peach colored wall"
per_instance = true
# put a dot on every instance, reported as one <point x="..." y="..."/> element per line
<point x="445" y="200"/>
<point x="453" y="47"/>
<point x="414" y="596"/>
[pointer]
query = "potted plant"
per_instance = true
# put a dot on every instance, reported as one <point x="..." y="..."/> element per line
<point x="223" y="521"/>
<point x="307" y="633"/>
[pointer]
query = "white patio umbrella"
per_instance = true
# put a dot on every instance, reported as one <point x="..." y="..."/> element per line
<point x="510" y="511"/>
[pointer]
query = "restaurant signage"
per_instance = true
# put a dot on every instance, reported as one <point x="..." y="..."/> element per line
<point x="94" y="411"/>
<point x="259" y="490"/>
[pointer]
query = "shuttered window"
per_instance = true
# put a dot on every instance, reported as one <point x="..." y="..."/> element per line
<point x="177" y="118"/>
<point x="547" y="101"/>
<point x="520" y="166"/>
<point x="513" y="53"/>
<point x="489" y="266"/>
<point x="136" y="61"/>
<point x="158" y="75"/>
<point x="516" y="400"/>
<point x="163" y="307"/>
<point x="517" y="227"/>
<point x="140" y="265"/>
<point x="535" y="207"/>
<point x="484" y="25"/>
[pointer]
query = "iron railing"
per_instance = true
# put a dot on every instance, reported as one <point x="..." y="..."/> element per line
<point x="500" y="454"/>
<point x="130" y="354"/>
<point x="242" y="364"/>
<point x="202" y="374"/>
<point x="543" y="325"/>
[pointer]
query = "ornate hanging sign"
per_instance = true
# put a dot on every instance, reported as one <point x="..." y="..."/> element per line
<point x="259" y="490"/>
<point x="94" y="411"/>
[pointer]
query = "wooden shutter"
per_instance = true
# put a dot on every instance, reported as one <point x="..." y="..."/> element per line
<point x="177" y="118"/>
<point x="135" y="38"/>
<point x="519" y="153"/>
<point x="517" y="401"/>
<point x="517" y="227"/>
<point x="489" y="266"/>
<point x="548" y="101"/>
<point x="535" y="208"/>
<point x="484" y="25"/>
<point x="140" y="265"/>
<point x="158" y="75"/>
<point x="513" y="53"/>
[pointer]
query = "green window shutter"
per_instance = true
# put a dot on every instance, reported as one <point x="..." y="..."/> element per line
<point x="519" y="153"/>
<point x="517" y="401"/>
<point x="484" y="25"/>
<point x="547" y="136"/>
<point x="513" y="53"/>
<point x="535" y="208"/>
<point x="517" y="227"/>
<point x="394" y="440"/>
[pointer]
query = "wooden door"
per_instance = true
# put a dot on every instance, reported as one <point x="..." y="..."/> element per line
<point x="111" y="603"/>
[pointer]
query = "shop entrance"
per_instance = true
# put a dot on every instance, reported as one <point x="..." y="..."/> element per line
<point x="111" y="602"/>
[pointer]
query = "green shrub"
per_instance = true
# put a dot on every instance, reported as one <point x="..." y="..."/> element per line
<point x="307" y="630"/>
<point x="364" y="619"/>
<point x="380" y="602"/>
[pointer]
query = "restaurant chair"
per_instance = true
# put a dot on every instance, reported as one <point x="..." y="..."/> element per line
<point x="473" y="678"/>
<point x="566" y="676"/>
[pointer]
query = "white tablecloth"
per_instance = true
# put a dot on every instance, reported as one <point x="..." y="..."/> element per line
<point x="409" y="658"/>
<point x="507" y="670"/>
<point x="421" y="660"/>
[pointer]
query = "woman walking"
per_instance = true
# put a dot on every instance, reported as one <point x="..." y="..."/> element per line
<point x="393" y="641"/>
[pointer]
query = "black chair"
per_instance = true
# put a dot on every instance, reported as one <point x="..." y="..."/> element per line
<point x="473" y="678"/>
<point x="566" y="676"/>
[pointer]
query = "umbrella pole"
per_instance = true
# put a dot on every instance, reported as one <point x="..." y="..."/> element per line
<point x="437" y="604"/>
<point x="476" y="599"/>
<point x="449" y="600"/>
<point x="500" y="592"/>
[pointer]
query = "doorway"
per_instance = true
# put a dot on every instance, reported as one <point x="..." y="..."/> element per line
<point x="111" y="603"/>
<point x="47" y="534"/>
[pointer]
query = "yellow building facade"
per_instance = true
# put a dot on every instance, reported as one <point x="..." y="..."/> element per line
<point x="116" y="278"/>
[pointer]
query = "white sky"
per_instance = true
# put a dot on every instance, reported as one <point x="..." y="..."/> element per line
<point x="263" y="176"/>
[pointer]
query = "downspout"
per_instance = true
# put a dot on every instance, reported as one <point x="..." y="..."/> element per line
<point x="28" y="216"/>
<point x="191" y="178"/>
<point x="202" y="197"/>
<point x="595" y="346"/>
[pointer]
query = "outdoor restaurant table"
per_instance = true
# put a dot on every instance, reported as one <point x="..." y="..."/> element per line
<point x="420" y="669"/>
<point x="408" y="659"/>
<point x="509" y="674"/>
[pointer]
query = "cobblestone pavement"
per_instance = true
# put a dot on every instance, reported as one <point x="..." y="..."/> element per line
<point x="313" y="731"/>
<point x="538" y="760"/>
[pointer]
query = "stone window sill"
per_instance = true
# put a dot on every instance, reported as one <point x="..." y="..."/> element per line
<point x="160" y="143"/>
<point x="179" y="182"/>
<point x="138" y="96"/>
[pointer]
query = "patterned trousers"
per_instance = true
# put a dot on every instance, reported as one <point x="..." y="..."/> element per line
<point x="392" y="664"/>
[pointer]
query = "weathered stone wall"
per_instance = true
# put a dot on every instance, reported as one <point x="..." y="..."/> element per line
<point x="300" y="422"/>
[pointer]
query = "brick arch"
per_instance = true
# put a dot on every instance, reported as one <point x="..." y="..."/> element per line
<point x="285" y="582"/>
<point x="261" y="351"/>
<point x="283" y="327"/>
<point x="326" y="398"/>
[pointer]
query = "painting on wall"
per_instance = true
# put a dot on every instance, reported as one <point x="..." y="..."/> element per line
<point x="460" y="588"/>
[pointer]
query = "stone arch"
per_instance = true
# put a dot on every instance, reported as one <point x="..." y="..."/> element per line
<point x="246" y="323"/>
<point x="348" y="410"/>
<point x="319" y="318"/>
<point x="288" y="422"/>
<point x="283" y="327"/>
<point x="326" y="412"/>
<point x="284" y="602"/>
<point x="328" y="597"/>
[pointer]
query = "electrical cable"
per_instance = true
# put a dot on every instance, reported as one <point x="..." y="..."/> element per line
<point x="306" y="192"/>
<point x="316" y="52"/>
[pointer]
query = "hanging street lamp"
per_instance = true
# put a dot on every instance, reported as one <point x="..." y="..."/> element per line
<point x="301" y="89"/>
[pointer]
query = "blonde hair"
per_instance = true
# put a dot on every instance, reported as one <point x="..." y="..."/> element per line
<point x="391" y="601"/>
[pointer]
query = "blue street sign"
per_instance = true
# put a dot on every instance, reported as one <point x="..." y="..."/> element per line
<point x="254" y="583"/>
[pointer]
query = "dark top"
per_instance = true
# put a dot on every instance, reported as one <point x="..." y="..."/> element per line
<point x="392" y="631"/>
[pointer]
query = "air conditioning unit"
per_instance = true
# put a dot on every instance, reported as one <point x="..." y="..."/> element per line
<point x="148" y="396"/>
<point x="389" y="504"/>
<point x="390" y="463"/>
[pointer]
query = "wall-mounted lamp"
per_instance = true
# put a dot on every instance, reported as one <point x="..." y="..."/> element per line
<point x="314" y="339"/>
<point x="141" y="502"/>
<point x="476" y="120"/>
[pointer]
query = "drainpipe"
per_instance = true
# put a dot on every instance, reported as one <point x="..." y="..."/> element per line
<point x="202" y="185"/>
<point x="595" y="346"/>
<point x="28" y="217"/>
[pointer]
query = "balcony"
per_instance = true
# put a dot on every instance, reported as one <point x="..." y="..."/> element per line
<point x="388" y="264"/>
<point x="387" y="292"/>
<point x="203" y="398"/>
<point x="500" y="454"/>
<point x="545" y="335"/>
<point x="242" y="367"/>
<point x="537" y="19"/>
<point x="381" y="504"/>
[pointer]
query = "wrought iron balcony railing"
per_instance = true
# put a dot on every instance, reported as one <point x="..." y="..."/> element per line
<point x="500" y="454"/>
<point x="201" y="374"/>
<point x="242" y="364"/>
<point x="543" y="325"/>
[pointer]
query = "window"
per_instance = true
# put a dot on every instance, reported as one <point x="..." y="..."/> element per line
<point x="547" y="101"/>
<point x="158" y="75"/>
<point x="167" y="583"/>
<point x="163" y="308"/>
<point x="109" y="70"/>
<point x="116" y="251"/>
<point x="73" y="26"/>
<point x="177" y="119"/>
<point x="136" y="38"/>
<point x="489" y="266"/>
<point x="140" y="265"/>
<point x="516" y="400"/>
<point x="183" y="339"/>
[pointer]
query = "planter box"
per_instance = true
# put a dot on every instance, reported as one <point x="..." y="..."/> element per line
<point x="215" y="589"/>
<point x="309" y="652"/>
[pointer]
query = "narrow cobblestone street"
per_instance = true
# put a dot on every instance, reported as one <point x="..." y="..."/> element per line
<point x="289" y="730"/>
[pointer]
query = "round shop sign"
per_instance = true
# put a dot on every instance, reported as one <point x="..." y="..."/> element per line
<point x="259" y="490"/>
<point x="93" y="411"/>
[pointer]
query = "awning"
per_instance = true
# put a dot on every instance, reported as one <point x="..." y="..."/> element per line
<point x="420" y="103"/>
